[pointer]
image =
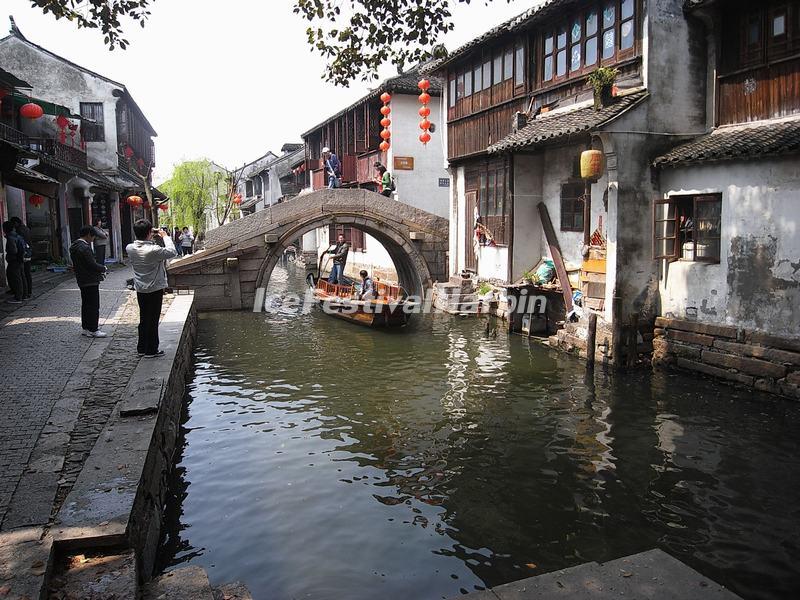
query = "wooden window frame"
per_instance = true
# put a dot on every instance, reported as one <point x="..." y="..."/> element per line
<point x="93" y="126"/>
<point x="451" y="91"/>
<point x="353" y="236"/>
<point x="485" y="180"/>
<point x="693" y="200"/>
<point x="576" y="211"/>
<point x="520" y="75"/>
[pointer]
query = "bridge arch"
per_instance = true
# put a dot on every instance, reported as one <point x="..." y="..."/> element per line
<point x="238" y="259"/>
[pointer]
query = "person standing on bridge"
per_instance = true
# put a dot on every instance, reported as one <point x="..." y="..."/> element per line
<point x="150" y="279"/>
<point x="333" y="168"/>
<point x="339" y="260"/>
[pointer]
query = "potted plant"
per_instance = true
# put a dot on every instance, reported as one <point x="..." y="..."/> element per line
<point x="602" y="80"/>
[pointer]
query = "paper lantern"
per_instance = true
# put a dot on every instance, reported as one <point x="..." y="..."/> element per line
<point x="134" y="201"/>
<point x="385" y="110"/>
<point x="386" y="97"/>
<point x="424" y="98"/>
<point x="128" y="152"/>
<point x="386" y="134"/>
<point x="163" y="207"/>
<point x="425" y="138"/>
<point x="424" y="84"/>
<point x="385" y="122"/>
<point x="237" y="199"/>
<point x="591" y="164"/>
<point x="425" y="124"/>
<point x="36" y="200"/>
<point x="424" y="111"/>
<point x="384" y="146"/>
<point x="31" y="111"/>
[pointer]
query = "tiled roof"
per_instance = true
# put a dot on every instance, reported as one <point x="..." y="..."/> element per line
<point x="31" y="174"/>
<point x="549" y="127"/>
<point x="541" y="9"/>
<point x="690" y="4"/>
<point x="733" y="142"/>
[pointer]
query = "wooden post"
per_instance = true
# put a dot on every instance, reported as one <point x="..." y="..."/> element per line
<point x="616" y="331"/>
<point x="587" y="214"/>
<point x="232" y="269"/>
<point x="633" y="339"/>
<point x="555" y="252"/>
<point x="591" y="339"/>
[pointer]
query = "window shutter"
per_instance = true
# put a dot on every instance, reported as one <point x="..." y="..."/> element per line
<point x="665" y="229"/>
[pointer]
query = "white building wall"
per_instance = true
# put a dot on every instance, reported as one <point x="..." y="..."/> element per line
<point x="419" y="188"/>
<point x="757" y="281"/>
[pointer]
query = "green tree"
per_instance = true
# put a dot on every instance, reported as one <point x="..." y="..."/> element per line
<point x="104" y="15"/>
<point x="199" y="190"/>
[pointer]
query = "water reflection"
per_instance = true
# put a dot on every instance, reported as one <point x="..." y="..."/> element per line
<point x="323" y="460"/>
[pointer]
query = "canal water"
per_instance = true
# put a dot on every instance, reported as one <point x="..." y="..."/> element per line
<point x="323" y="460"/>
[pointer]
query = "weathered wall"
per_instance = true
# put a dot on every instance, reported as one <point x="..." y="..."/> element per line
<point x="757" y="282"/>
<point x="528" y="235"/>
<point x="56" y="81"/>
<point x="420" y="187"/>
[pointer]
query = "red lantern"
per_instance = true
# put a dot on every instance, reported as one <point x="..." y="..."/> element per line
<point x="386" y="134"/>
<point x="425" y="138"/>
<point x="36" y="200"/>
<point x="62" y="121"/>
<point x="385" y="110"/>
<point x="31" y="111"/>
<point x="385" y="122"/>
<point x="424" y="111"/>
<point x="146" y="204"/>
<point x="140" y="163"/>
<point x="424" y="98"/>
<point x="164" y="207"/>
<point x="425" y="124"/>
<point x="134" y="201"/>
<point x="384" y="146"/>
<point x="386" y="97"/>
<point x="128" y="152"/>
<point x="237" y="199"/>
<point x="424" y="84"/>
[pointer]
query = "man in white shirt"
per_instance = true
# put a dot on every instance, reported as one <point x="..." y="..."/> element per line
<point x="149" y="279"/>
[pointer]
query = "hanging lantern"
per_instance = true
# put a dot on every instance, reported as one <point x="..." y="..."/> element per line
<point x="385" y="122"/>
<point x="386" y="134"/>
<point x="386" y="97"/>
<point x="36" y="200"/>
<point x="591" y="164"/>
<point x="140" y="163"/>
<point x="128" y="152"/>
<point x="385" y="110"/>
<point x="134" y="201"/>
<point x="163" y="207"/>
<point x="425" y="125"/>
<point x="62" y="121"/>
<point x="425" y="138"/>
<point x="424" y="111"/>
<point x="424" y="85"/>
<point x="31" y="110"/>
<point x="237" y="199"/>
<point x="384" y="146"/>
<point x="424" y="98"/>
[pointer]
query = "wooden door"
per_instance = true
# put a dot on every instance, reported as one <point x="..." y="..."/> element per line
<point x="470" y="260"/>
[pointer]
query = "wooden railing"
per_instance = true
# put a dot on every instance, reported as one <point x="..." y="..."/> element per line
<point x="69" y="154"/>
<point x="365" y="171"/>
<point x="335" y="289"/>
<point x="318" y="179"/>
<point x="13" y="135"/>
<point x="762" y="93"/>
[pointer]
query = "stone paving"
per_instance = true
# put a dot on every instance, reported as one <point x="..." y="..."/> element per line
<point x="45" y="365"/>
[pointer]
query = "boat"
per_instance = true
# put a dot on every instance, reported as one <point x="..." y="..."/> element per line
<point x="389" y="309"/>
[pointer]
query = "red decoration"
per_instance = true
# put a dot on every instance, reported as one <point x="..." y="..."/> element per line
<point x="128" y="152"/>
<point x="386" y="134"/>
<point x="146" y="204"/>
<point x="386" y="97"/>
<point x="163" y="206"/>
<point x="31" y="111"/>
<point x="385" y="110"/>
<point x="237" y="199"/>
<point x="385" y="122"/>
<point x="62" y="121"/>
<point x="425" y="138"/>
<point x="424" y="111"/>
<point x="36" y="200"/>
<point x="424" y="84"/>
<point x="134" y="201"/>
<point x="140" y="163"/>
<point x="424" y="98"/>
<point x="384" y="146"/>
<point x="425" y="124"/>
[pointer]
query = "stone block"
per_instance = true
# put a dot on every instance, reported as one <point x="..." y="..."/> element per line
<point x="689" y="338"/>
<point x="697" y="327"/>
<point x="757" y="337"/>
<point x="751" y="366"/>
<point x="770" y="354"/>
<point x="793" y="378"/>
<point x="685" y="363"/>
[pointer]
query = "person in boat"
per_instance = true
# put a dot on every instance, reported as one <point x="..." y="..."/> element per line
<point x="339" y="260"/>
<point x="367" y="287"/>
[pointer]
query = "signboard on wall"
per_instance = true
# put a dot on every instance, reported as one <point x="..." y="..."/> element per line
<point x="444" y="182"/>
<point x="403" y="163"/>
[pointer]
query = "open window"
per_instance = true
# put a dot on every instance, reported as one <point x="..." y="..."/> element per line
<point x="688" y="228"/>
<point x="572" y="206"/>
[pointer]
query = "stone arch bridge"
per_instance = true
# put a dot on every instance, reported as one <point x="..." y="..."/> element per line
<point x="234" y="268"/>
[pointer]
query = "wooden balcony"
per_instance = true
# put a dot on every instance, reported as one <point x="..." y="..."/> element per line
<point x="763" y="93"/>
<point x="365" y="171"/>
<point x="15" y="136"/>
<point x="54" y="148"/>
<point x="318" y="179"/>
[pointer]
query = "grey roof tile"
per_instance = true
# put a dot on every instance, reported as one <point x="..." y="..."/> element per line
<point x="552" y="127"/>
<point x="732" y="142"/>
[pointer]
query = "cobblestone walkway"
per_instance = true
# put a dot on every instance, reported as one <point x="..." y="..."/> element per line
<point x="45" y="365"/>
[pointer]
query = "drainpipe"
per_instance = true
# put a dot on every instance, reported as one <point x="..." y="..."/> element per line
<point x="511" y="219"/>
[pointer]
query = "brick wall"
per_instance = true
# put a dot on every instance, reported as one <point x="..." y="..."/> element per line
<point x="743" y="357"/>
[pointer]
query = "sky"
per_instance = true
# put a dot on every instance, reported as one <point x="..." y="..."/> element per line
<point x="226" y="80"/>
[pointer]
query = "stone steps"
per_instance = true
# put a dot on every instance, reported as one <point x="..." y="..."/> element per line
<point x="191" y="583"/>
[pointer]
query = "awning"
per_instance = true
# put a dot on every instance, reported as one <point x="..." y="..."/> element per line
<point x="32" y="181"/>
<point x="49" y="108"/>
<point x="10" y="80"/>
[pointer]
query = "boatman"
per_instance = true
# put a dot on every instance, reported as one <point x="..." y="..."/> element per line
<point x="339" y="260"/>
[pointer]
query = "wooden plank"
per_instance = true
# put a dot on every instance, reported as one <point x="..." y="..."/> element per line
<point x="594" y="266"/>
<point x="555" y="253"/>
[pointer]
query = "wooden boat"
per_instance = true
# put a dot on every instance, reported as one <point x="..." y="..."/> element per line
<point x="341" y="301"/>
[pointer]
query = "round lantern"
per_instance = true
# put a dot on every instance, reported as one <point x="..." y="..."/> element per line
<point x="36" y="200"/>
<point x="386" y="97"/>
<point x="62" y="121"/>
<point x="237" y="199"/>
<point x="163" y="207"/>
<point x="385" y="122"/>
<point x="591" y="164"/>
<point x="134" y="201"/>
<point x="425" y="138"/>
<point x="424" y="85"/>
<point x="31" y="111"/>
<point x="424" y="98"/>
<point x="384" y="146"/>
<point x="425" y="125"/>
<point x="385" y="110"/>
<point x="424" y="111"/>
<point x="128" y="152"/>
<point x="386" y="134"/>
